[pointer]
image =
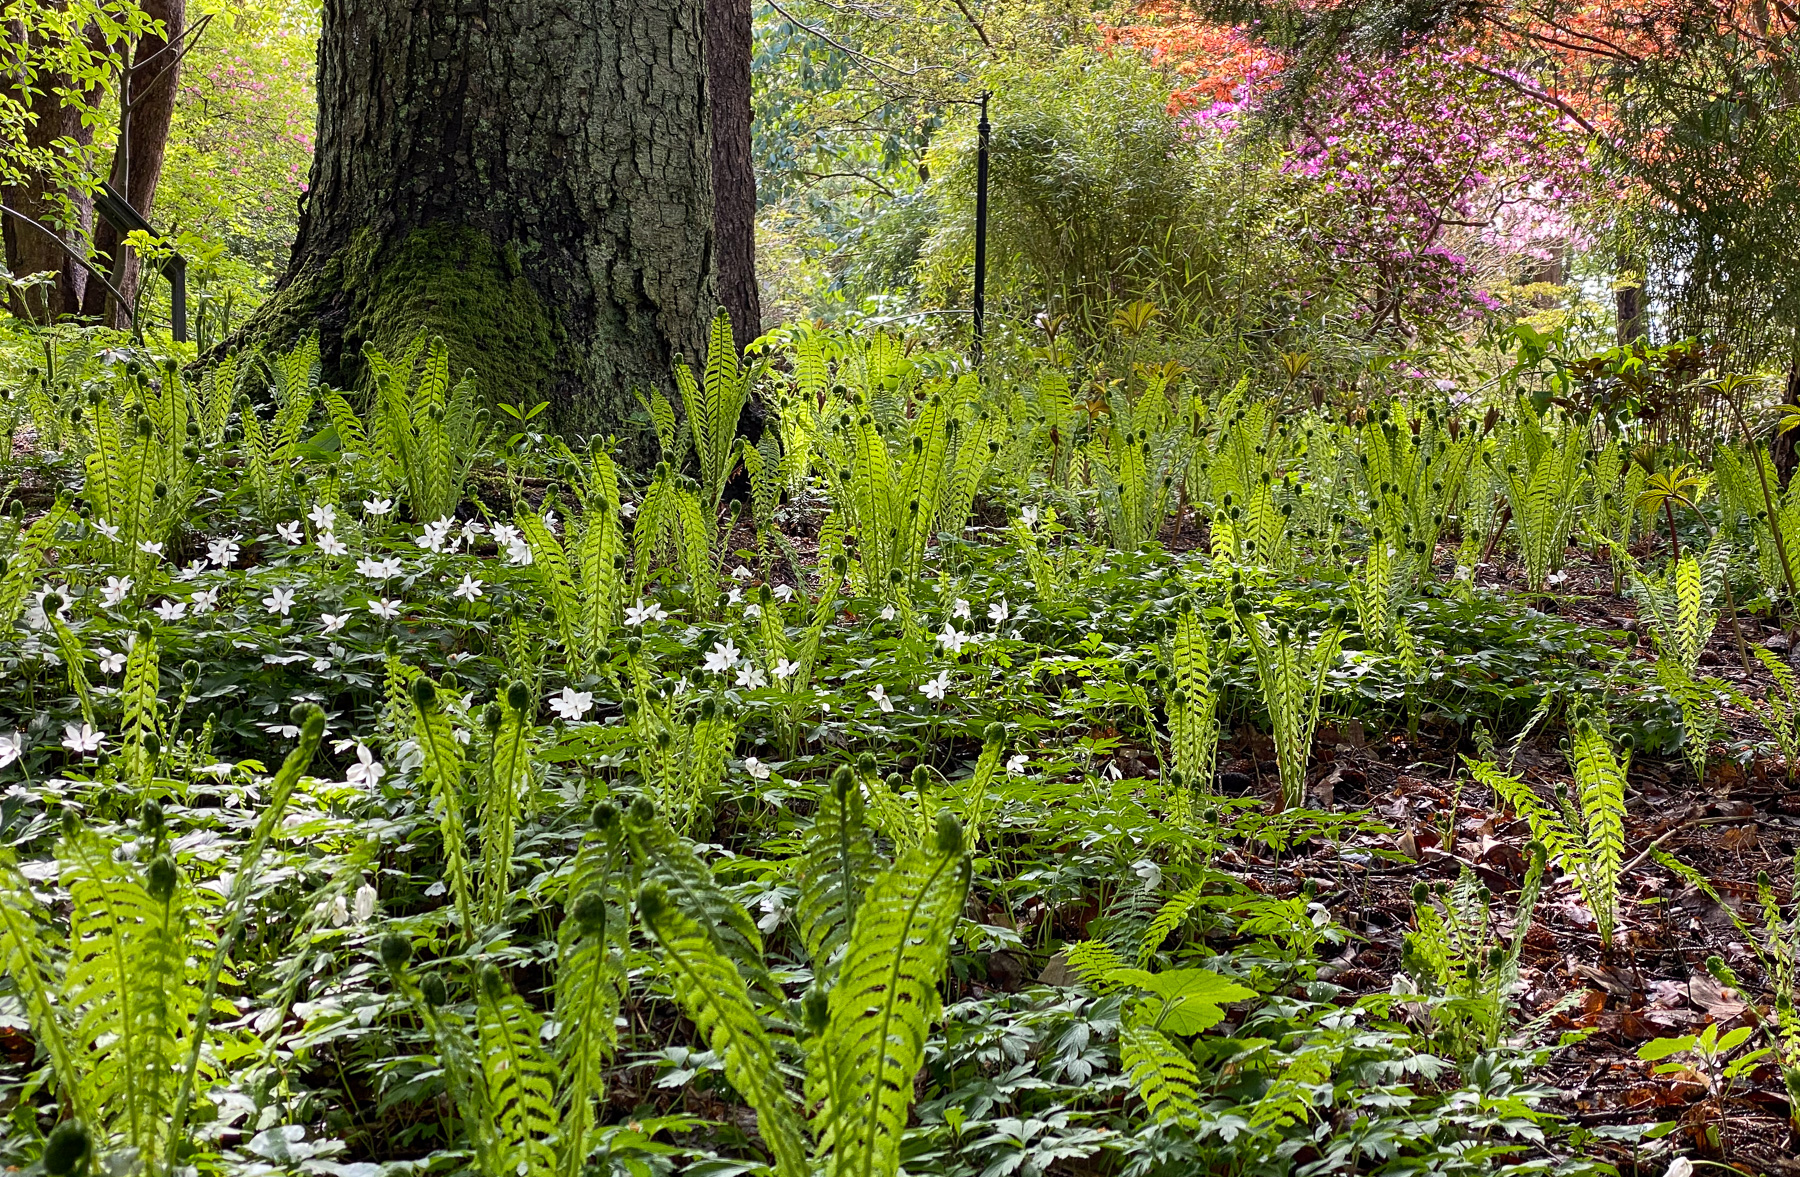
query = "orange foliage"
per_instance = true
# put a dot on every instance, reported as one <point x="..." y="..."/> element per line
<point x="1217" y="63"/>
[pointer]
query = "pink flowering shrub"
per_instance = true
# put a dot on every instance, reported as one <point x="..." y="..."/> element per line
<point x="1418" y="162"/>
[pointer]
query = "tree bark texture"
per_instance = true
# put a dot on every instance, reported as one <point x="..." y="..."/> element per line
<point x="29" y="250"/>
<point x="529" y="180"/>
<point x="147" y="91"/>
<point x="728" y="52"/>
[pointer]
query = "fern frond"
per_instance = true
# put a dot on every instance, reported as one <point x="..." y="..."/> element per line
<point x="139" y="696"/>
<point x="881" y="1007"/>
<point x="27" y="956"/>
<point x="666" y="858"/>
<point x="520" y="1078"/>
<point x="1169" y="916"/>
<point x="249" y="870"/>
<point x="1164" y="1078"/>
<point x="710" y="990"/>
<point x="125" y="983"/>
<point x="74" y="657"/>
<point x="590" y="983"/>
<point x="442" y="772"/>
<point x="837" y="860"/>
<point x="26" y="559"/>
<point x="508" y="776"/>
<point x="1600" y="779"/>
<point x="551" y="565"/>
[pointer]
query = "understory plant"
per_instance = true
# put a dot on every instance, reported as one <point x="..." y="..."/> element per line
<point x="879" y="944"/>
<point x="123" y="1005"/>
<point x="1293" y="669"/>
<point x="1585" y="837"/>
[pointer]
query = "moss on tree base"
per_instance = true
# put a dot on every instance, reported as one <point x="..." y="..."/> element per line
<point x="444" y="280"/>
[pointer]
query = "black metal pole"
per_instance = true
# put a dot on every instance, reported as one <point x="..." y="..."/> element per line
<point x="981" y="205"/>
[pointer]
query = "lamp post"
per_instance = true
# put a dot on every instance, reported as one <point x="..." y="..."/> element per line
<point x="981" y="207"/>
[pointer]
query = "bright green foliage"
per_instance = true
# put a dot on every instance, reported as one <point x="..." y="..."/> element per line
<point x="1192" y="703"/>
<point x="1456" y="953"/>
<point x="682" y="746"/>
<point x="551" y="565"/>
<point x="1180" y="1002"/>
<point x="519" y="1075"/>
<point x="426" y="434"/>
<point x="977" y="791"/>
<point x="1160" y="1073"/>
<point x="764" y="464"/>
<point x="1377" y="589"/>
<point x="1543" y="477"/>
<point x="710" y="990"/>
<point x="464" y="1075"/>
<point x="504" y="783"/>
<point x="138" y="697"/>
<point x="713" y="405"/>
<point x="884" y="999"/>
<point x="894" y="503"/>
<point x="1617" y="481"/>
<point x="1052" y="567"/>
<point x="126" y="990"/>
<point x="1292" y="673"/>
<point x="1192" y="1000"/>
<point x="1250" y="494"/>
<point x="1778" y="949"/>
<point x="836" y="862"/>
<point x="600" y="551"/>
<point x="271" y="447"/>
<point x="1414" y="475"/>
<point x="1589" y="842"/>
<point x="665" y="858"/>
<point x="442" y="772"/>
<point x="867" y="1029"/>
<point x="1741" y="490"/>
<point x="1293" y="1096"/>
<point x="1681" y="605"/>
<point x="122" y="1010"/>
<point x="75" y="658"/>
<point x="1708" y="1052"/>
<point x="529" y="1110"/>
<point x="1779" y="708"/>
<point x="137" y="471"/>
<point x="1139" y="461"/>
<point x="585" y="582"/>
<point x="590" y="983"/>
<point x="1701" y="701"/>
<point x="26" y="558"/>
<point x="673" y="528"/>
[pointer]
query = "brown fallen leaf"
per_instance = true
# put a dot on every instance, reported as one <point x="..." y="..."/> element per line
<point x="1720" y="1003"/>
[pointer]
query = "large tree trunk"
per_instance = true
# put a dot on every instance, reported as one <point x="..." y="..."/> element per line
<point x="530" y="181"/>
<point x="728" y="48"/>
<point x="148" y="92"/>
<point x="29" y="250"/>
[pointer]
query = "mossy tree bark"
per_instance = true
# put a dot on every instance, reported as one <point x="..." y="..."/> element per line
<point x="531" y="181"/>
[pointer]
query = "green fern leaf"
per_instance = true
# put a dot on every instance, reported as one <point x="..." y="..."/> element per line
<point x="1164" y="1078"/>
<point x="881" y="1007"/>
<point x="442" y="772"/>
<point x="837" y="860"/>
<point x="521" y="1080"/>
<point x="710" y="990"/>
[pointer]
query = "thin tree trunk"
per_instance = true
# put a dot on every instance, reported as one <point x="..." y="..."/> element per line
<point x="147" y="92"/>
<point x="728" y="49"/>
<point x="530" y="181"/>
